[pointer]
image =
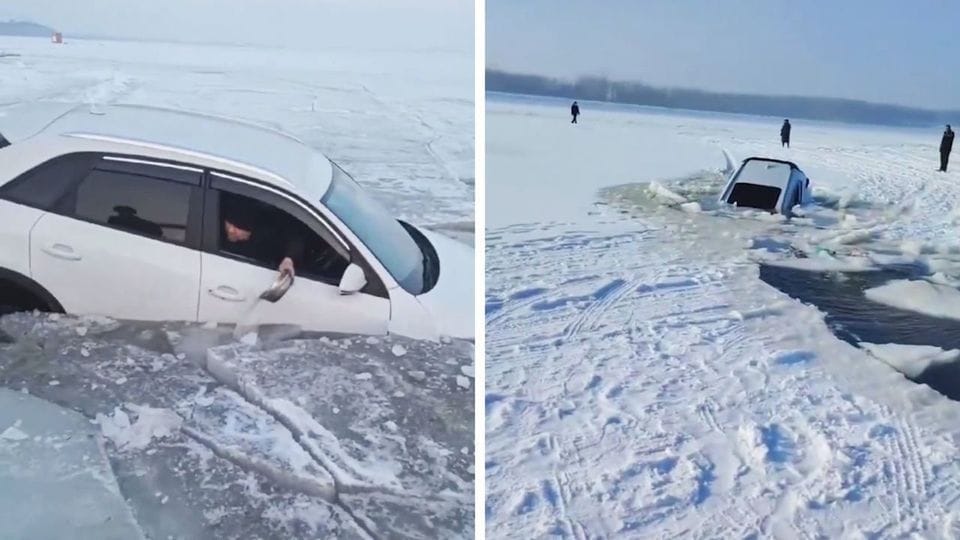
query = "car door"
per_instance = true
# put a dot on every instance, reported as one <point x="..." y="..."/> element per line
<point x="232" y="283"/>
<point x="124" y="241"/>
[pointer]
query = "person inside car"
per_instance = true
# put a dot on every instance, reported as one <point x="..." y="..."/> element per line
<point x="247" y="232"/>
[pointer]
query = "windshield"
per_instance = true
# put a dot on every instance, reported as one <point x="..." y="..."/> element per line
<point x="377" y="229"/>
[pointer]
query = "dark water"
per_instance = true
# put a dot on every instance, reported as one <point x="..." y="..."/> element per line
<point x="853" y="318"/>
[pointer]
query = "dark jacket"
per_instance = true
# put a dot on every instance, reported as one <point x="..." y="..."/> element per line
<point x="946" y="143"/>
<point x="575" y="109"/>
<point x="269" y="245"/>
<point x="785" y="131"/>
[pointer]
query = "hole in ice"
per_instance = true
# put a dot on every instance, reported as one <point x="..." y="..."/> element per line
<point x="858" y="320"/>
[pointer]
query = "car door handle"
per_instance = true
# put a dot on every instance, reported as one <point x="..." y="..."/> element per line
<point x="227" y="293"/>
<point x="61" y="251"/>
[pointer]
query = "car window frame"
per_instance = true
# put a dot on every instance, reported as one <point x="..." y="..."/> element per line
<point x="6" y="188"/>
<point x="162" y="170"/>
<point x="216" y="180"/>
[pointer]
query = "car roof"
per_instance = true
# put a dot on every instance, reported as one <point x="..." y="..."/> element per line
<point x="785" y="162"/>
<point x="765" y="172"/>
<point x="182" y="135"/>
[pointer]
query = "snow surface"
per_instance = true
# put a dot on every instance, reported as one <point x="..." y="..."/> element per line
<point x="643" y="382"/>
<point x="270" y="434"/>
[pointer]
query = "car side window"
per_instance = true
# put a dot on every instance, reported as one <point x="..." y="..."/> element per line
<point x="262" y="234"/>
<point x="42" y="186"/>
<point x="139" y="204"/>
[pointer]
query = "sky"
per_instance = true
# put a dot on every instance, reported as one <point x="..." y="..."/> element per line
<point x="367" y="24"/>
<point x="889" y="51"/>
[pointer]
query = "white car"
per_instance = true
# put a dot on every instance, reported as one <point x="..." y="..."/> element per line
<point x="768" y="184"/>
<point x="123" y="212"/>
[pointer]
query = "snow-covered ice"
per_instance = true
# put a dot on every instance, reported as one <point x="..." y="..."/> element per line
<point x="642" y="381"/>
<point x="401" y="122"/>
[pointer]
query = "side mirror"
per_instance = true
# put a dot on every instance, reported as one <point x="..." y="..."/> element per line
<point x="353" y="280"/>
<point x="279" y="288"/>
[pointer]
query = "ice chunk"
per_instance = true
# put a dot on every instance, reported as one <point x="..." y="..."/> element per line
<point x="911" y="360"/>
<point x="463" y="382"/>
<point x="398" y="350"/>
<point x="826" y="263"/>
<point x="911" y="247"/>
<point x="921" y="296"/>
<point x="13" y="433"/>
<point x="658" y="190"/>
<point x="691" y="207"/>
<point x="151" y="424"/>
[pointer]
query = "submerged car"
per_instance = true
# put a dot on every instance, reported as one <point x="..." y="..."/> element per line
<point x="120" y="212"/>
<point x="767" y="184"/>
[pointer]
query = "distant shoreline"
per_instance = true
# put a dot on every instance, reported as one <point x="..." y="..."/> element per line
<point x="564" y="104"/>
<point x="846" y="111"/>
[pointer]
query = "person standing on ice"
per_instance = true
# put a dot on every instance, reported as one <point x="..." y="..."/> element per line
<point x="946" y="145"/>
<point x="575" y="112"/>
<point x="785" y="133"/>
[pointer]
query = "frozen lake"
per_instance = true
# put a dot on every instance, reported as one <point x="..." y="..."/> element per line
<point x="181" y="431"/>
<point x="644" y="380"/>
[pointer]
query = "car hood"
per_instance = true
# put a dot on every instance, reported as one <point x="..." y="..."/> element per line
<point x="451" y="300"/>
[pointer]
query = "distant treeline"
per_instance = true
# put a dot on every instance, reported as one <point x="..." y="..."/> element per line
<point x="813" y="108"/>
<point x="24" y="28"/>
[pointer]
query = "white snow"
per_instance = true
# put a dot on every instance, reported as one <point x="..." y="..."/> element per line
<point x="934" y="299"/>
<point x="641" y="381"/>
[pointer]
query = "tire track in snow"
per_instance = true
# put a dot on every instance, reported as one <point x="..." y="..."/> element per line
<point x="609" y="295"/>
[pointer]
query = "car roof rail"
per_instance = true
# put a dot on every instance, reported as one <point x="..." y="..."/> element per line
<point x="3" y="141"/>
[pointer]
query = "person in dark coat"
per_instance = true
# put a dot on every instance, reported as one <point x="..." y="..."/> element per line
<point x="249" y="234"/>
<point x="785" y="134"/>
<point x="946" y="145"/>
<point x="575" y="111"/>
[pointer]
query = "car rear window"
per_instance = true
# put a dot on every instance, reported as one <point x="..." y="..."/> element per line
<point x="754" y="196"/>
<point x="43" y="185"/>
<point x="139" y="204"/>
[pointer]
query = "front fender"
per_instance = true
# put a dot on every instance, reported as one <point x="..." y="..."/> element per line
<point x="409" y="318"/>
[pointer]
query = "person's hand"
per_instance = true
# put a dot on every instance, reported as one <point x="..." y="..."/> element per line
<point x="286" y="265"/>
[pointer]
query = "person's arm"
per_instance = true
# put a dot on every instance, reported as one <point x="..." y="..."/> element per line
<point x="293" y="254"/>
